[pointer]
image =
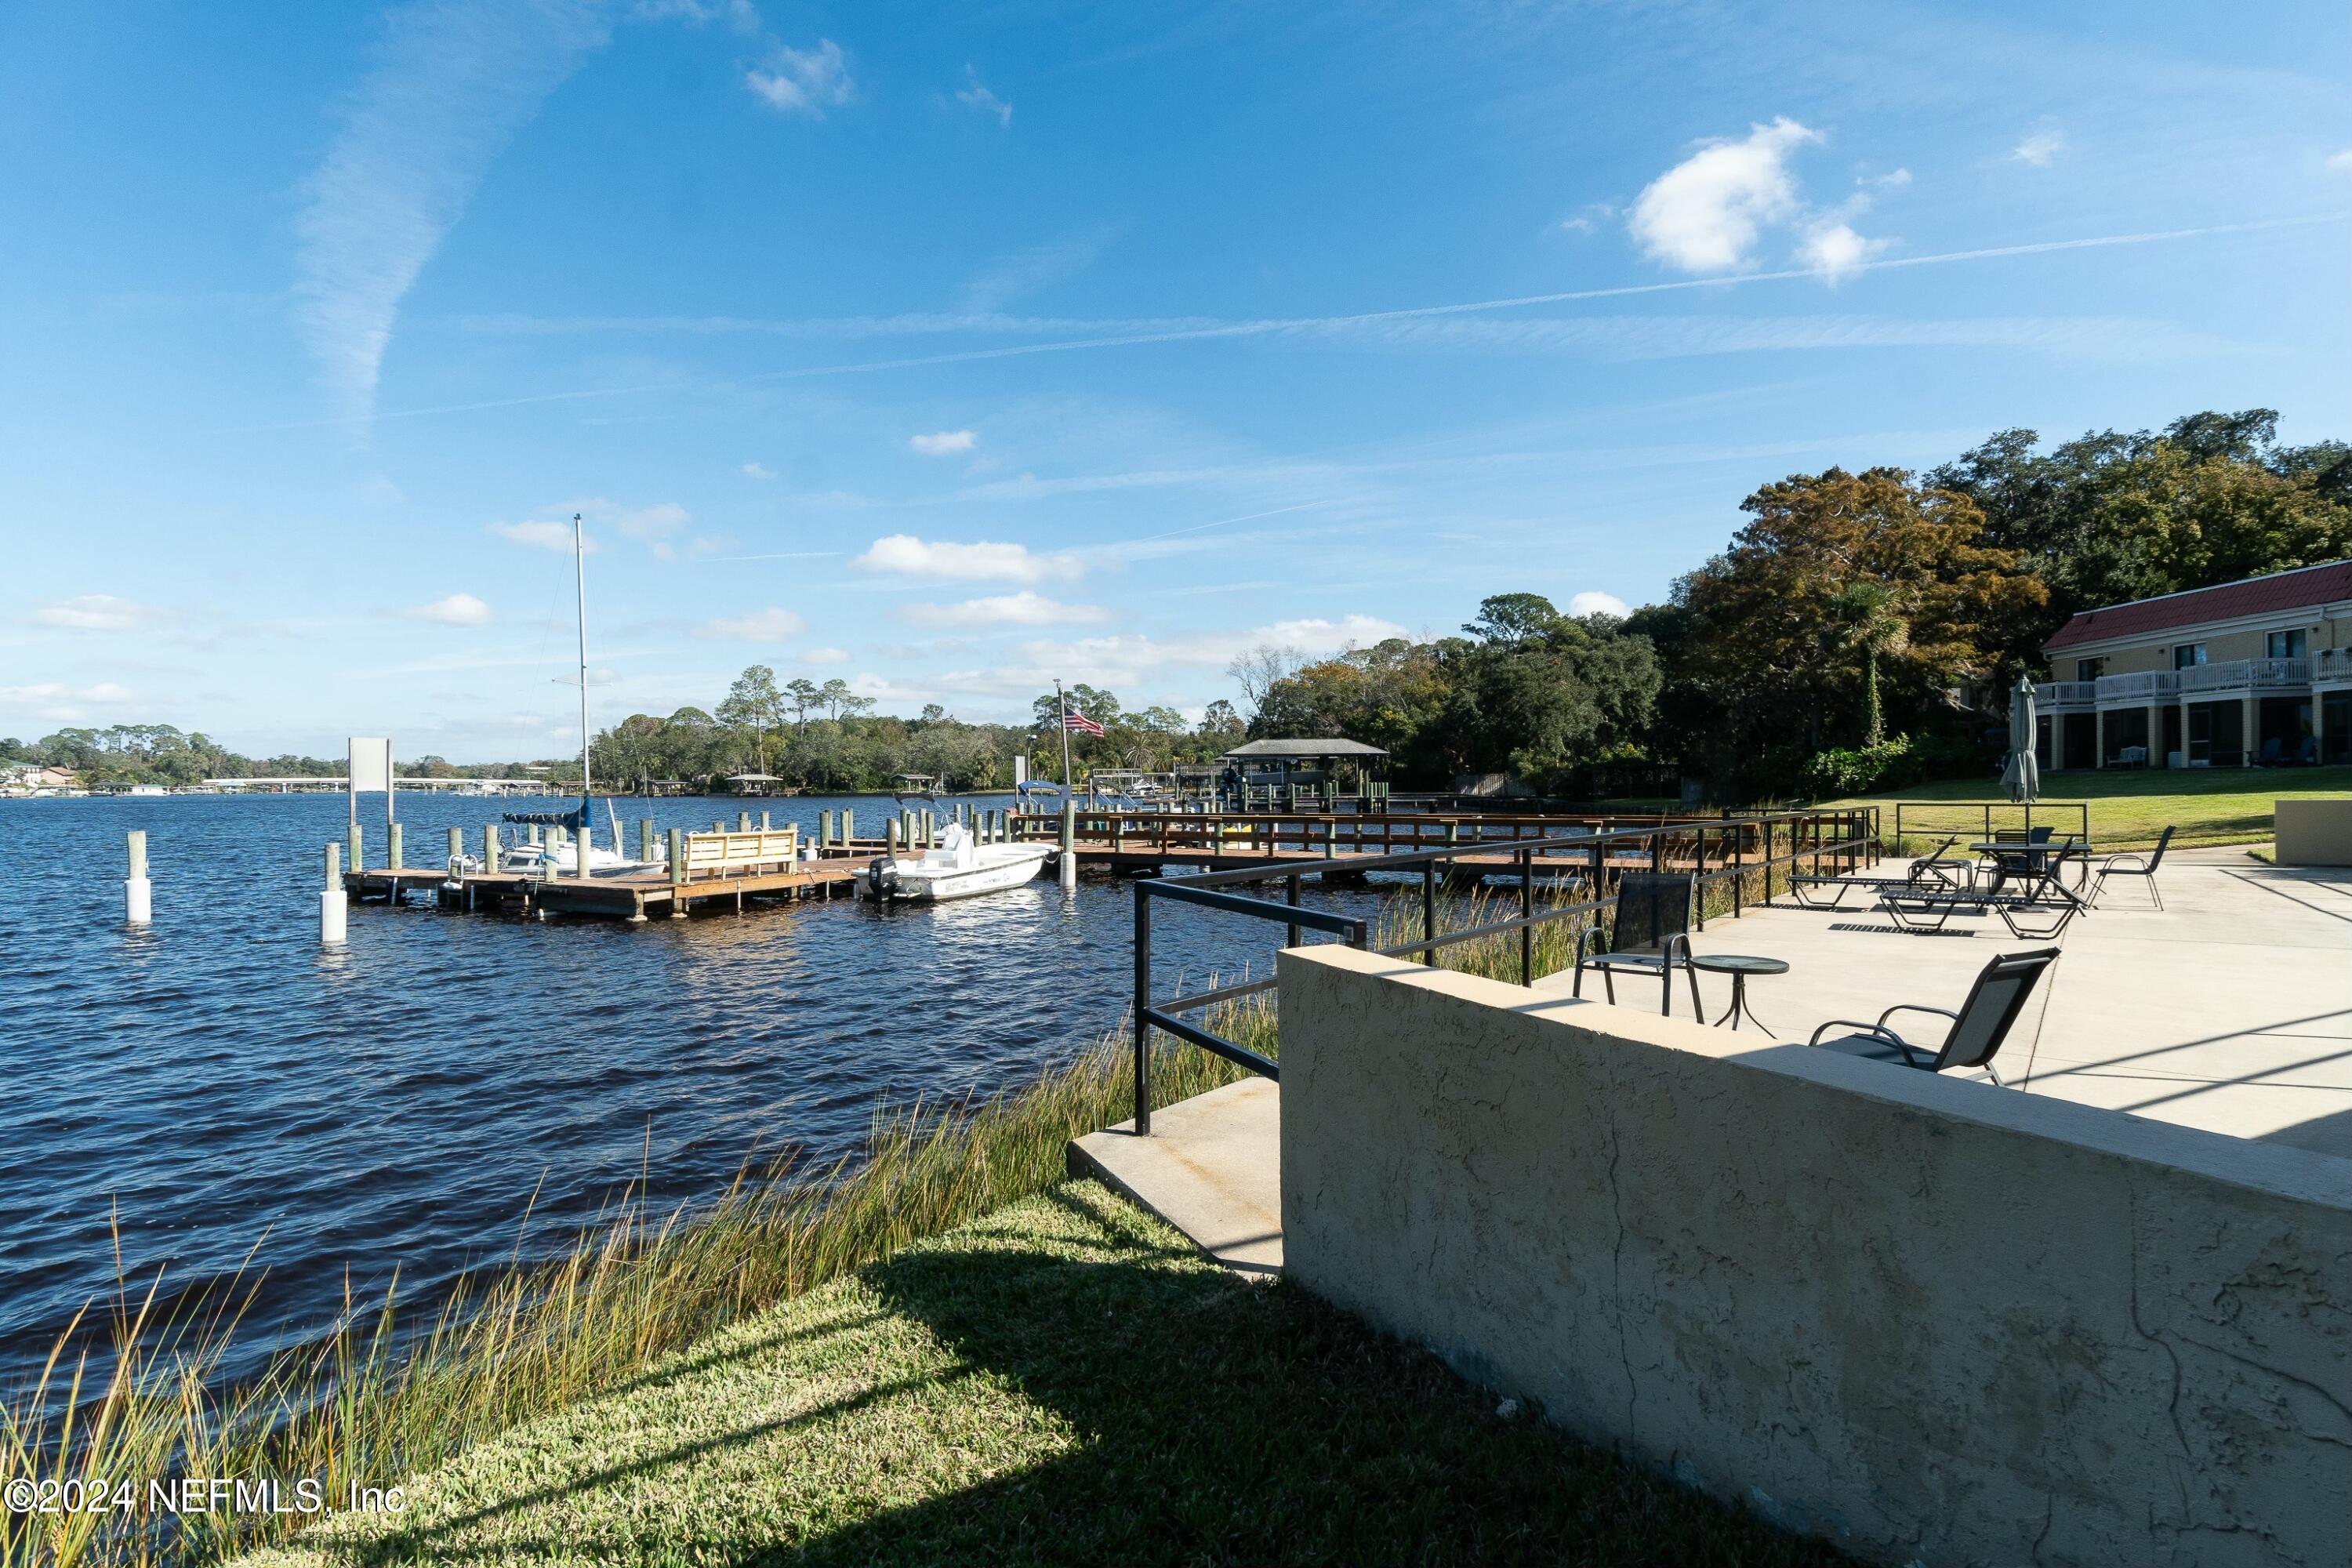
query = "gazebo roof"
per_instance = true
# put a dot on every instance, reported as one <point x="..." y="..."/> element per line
<point x="1262" y="751"/>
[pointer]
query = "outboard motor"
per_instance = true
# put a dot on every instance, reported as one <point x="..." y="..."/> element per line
<point x="881" y="878"/>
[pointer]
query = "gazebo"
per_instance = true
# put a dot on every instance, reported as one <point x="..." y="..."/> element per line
<point x="1277" y="773"/>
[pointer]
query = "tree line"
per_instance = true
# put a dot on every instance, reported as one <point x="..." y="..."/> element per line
<point x="1860" y="630"/>
<point x="828" y="740"/>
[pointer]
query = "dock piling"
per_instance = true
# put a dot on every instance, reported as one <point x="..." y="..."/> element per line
<point x="492" y="855"/>
<point x="334" y="907"/>
<point x="848" y="827"/>
<point x="456" y="850"/>
<point x="645" y="838"/>
<point x="677" y="873"/>
<point x="1067" y="870"/>
<point x="392" y="850"/>
<point x="138" y="893"/>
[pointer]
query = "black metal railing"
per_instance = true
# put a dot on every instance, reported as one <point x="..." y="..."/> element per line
<point x="1985" y="819"/>
<point x="1746" y="849"/>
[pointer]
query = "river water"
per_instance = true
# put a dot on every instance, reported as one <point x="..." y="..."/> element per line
<point x="217" y="1085"/>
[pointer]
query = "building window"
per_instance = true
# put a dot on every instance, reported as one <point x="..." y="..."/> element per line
<point x="2187" y="654"/>
<point x="2089" y="668"/>
<point x="2286" y="645"/>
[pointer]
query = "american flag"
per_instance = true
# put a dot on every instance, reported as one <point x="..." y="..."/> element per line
<point x="1079" y="723"/>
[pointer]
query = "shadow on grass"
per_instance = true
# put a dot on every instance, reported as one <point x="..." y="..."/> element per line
<point x="1214" y="1421"/>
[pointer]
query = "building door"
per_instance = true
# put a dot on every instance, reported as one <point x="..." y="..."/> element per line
<point x="2171" y="738"/>
<point x="2201" y="732"/>
<point x="2335" y="726"/>
<point x="2081" y="741"/>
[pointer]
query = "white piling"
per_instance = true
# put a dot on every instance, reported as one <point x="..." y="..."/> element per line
<point x="333" y="908"/>
<point x="1068" y="867"/>
<point x="138" y="894"/>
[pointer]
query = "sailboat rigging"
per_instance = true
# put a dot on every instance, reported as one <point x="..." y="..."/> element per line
<point x="584" y="857"/>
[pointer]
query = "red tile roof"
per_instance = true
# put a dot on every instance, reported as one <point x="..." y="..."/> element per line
<point x="2295" y="590"/>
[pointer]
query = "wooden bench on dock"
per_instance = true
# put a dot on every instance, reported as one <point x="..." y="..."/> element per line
<point x="733" y="854"/>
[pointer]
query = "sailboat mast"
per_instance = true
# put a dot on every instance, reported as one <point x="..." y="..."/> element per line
<point x="580" y="579"/>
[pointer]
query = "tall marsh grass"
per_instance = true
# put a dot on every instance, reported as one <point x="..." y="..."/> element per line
<point x="383" y="1395"/>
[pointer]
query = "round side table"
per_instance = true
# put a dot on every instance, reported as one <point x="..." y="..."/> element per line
<point x="1740" y="967"/>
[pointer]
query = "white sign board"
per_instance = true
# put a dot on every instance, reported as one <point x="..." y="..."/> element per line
<point x="371" y="764"/>
<point x="1020" y="770"/>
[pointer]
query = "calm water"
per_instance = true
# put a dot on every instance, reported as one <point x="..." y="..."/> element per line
<point x="218" y="1080"/>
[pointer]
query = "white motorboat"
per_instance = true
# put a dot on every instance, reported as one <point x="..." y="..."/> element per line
<point x="961" y="867"/>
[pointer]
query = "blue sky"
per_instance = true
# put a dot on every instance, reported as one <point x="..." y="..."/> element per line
<point x="948" y="350"/>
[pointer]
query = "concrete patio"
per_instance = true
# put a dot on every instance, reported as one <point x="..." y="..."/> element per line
<point x="2228" y="1010"/>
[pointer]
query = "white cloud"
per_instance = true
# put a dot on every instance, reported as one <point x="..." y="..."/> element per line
<point x="53" y="700"/>
<point x="982" y="562"/>
<point x="1706" y="213"/>
<point x="1022" y="609"/>
<point x="826" y="655"/>
<point x="2342" y="160"/>
<point x="456" y="610"/>
<point x="944" y="444"/>
<point x="541" y="535"/>
<point x="803" y="81"/>
<point x="2039" y="150"/>
<point x="1590" y="218"/>
<point x="1893" y="180"/>
<point x="650" y="522"/>
<point x="771" y="624"/>
<point x="758" y="471"/>
<point x="446" y="87"/>
<point x="1836" y="251"/>
<point x="973" y="95"/>
<point x="1593" y="602"/>
<point x="101" y="613"/>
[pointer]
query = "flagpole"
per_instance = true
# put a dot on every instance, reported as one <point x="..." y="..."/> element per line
<point x="1062" y="703"/>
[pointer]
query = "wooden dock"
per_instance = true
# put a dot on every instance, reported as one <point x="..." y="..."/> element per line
<point x="734" y="870"/>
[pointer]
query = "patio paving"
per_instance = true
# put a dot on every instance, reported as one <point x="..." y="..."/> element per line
<point x="2230" y="1010"/>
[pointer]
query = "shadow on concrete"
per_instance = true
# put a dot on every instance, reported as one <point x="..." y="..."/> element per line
<point x="2328" y="1134"/>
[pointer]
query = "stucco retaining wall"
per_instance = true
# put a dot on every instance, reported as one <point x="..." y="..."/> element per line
<point x="1936" y="1322"/>
<point x="2313" y="832"/>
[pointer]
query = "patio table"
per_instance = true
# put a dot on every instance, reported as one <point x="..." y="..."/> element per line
<point x="1739" y="967"/>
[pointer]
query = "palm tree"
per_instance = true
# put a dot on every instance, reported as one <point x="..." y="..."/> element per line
<point x="1864" y="620"/>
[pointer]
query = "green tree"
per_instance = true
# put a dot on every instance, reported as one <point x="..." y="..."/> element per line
<point x="1864" y="623"/>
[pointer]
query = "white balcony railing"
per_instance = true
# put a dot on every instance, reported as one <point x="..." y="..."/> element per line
<point x="2067" y="693"/>
<point x="2332" y="664"/>
<point x="2246" y="675"/>
<point x="2143" y="686"/>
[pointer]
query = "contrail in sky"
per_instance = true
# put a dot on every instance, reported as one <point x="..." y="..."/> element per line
<point x="1281" y="325"/>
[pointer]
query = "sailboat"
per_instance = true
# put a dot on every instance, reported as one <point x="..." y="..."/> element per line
<point x="561" y="857"/>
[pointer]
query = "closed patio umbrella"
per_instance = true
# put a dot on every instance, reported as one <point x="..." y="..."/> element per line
<point x="2022" y="778"/>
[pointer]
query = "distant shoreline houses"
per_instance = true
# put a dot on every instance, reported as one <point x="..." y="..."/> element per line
<point x="38" y="779"/>
<point x="2253" y="673"/>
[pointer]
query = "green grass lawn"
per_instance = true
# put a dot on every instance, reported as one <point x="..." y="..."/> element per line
<point x="2129" y="807"/>
<point x="1064" y="1381"/>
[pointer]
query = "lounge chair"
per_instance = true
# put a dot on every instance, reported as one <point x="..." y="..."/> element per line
<point x="2035" y="915"/>
<point x="1939" y="869"/>
<point x="1977" y="1030"/>
<point x="1648" y="934"/>
<point x="2134" y="863"/>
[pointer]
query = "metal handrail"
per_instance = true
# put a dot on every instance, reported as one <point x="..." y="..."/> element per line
<point x="1857" y="829"/>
